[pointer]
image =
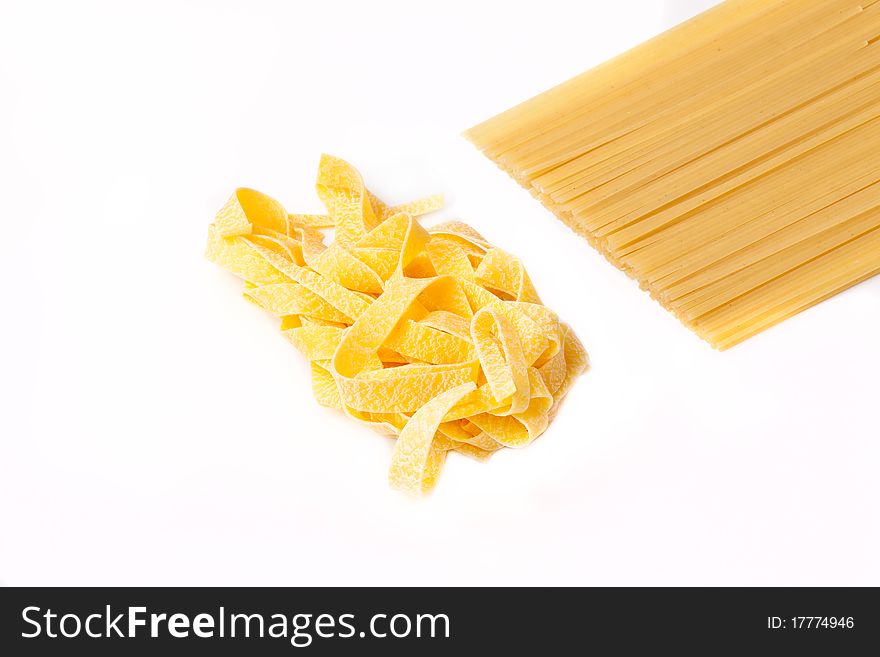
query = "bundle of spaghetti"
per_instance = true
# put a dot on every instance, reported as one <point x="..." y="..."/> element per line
<point x="731" y="165"/>
<point x="433" y="336"/>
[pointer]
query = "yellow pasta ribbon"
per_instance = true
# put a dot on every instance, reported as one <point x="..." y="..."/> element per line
<point x="433" y="336"/>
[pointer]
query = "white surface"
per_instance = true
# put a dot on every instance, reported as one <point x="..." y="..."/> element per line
<point x="157" y="429"/>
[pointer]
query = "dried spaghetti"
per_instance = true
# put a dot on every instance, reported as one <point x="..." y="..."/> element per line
<point x="730" y="165"/>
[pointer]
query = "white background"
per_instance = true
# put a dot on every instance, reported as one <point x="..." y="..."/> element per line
<point x="157" y="429"/>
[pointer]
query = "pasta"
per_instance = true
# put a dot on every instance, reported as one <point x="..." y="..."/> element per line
<point x="731" y="165"/>
<point x="433" y="336"/>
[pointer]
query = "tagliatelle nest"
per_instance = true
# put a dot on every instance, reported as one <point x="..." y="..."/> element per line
<point x="433" y="336"/>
